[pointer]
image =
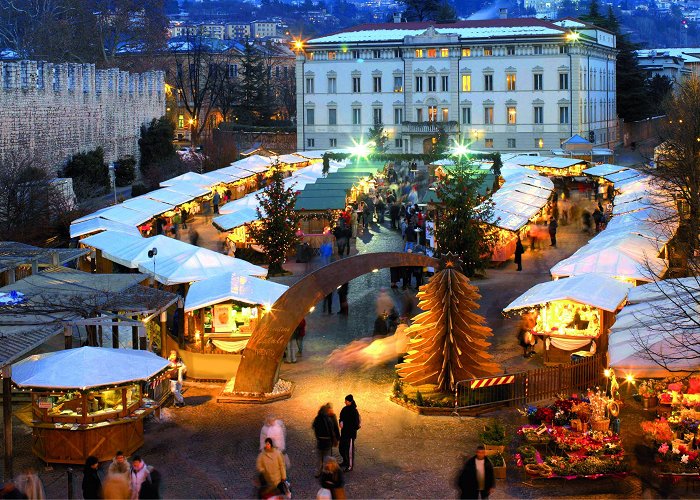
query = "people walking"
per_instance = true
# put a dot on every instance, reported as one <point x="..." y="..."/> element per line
<point x="174" y="373"/>
<point x="298" y="336"/>
<point x="332" y="478"/>
<point x="120" y="466"/>
<point x="476" y="480"/>
<point x="30" y="485"/>
<point x="553" y="225"/>
<point x="117" y="484"/>
<point x="92" y="485"/>
<point x="139" y="474"/>
<point x="328" y="303"/>
<point x="350" y="423"/>
<point x="271" y="470"/>
<point x="325" y="433"/>
<point x="216" y="199"/>
<point x="341" y="239"/>
<point x="525" y="337"/>
<point x="519" y="251"/>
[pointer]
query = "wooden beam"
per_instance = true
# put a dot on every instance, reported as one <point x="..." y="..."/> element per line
<point x="135" y="335"/>
<point x="67" y="336"/>
<point x="164" y="333"/>
<point x="143" y="338"/>
<point x="7" y="421"/>
<point x="11" y="277"/>
<point x="115" y="332"/>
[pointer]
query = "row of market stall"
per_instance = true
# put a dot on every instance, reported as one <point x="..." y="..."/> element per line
<point x="574" y="314"/>
<point x="186" y="192"/>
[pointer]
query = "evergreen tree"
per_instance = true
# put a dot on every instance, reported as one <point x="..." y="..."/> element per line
<point x="632" y="97"/>
<point x="448" y="340"/>
<point x="658" y="88"/>
<point x="250" y="91"/>
<point x="275" y="231"/>
<point x="89" y="172"/>
<point x="421" y="10"/>
<point x="156" y="142"/>
<point x="376" y="134"/>
<point x="496" y="170"/>
<point x="446" y="13"/>
<point x="460" y="228"/>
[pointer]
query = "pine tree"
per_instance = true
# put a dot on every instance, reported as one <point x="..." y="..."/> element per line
<point x="378" y="137"/>
<point x="448" y="340"/>
<point x="275" y="230"/>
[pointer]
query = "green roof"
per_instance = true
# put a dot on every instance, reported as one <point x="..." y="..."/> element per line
<point x="331" y="202"/>
<point x="486" y="184"/>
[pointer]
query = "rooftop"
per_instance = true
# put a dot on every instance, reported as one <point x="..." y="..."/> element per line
<point x="491" y="28"/>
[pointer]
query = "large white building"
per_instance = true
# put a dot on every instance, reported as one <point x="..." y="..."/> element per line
<point x="504" y="84"/>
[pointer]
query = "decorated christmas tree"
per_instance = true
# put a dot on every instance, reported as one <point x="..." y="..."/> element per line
<point x="275" y="230"/>
<point x="448" y="340"/>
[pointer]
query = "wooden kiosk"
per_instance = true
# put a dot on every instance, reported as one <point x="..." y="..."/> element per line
<point x="88" y="401"/>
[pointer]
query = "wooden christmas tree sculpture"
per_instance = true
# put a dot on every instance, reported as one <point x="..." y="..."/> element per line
<point x="448" y="340"/>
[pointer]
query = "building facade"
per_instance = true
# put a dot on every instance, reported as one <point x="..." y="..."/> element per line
<point x="504" y="84"/>
<point x="53" y="111"/>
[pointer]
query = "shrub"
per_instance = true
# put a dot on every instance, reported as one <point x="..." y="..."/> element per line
<point x="125" y="171"/>
<point x="89" y="173"/>
<point x="139" y="189"/>
<point x="494" y="434"/>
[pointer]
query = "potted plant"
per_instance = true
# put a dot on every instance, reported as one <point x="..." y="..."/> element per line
<point x="499" y="466"/>
<point x="494" y="437"/>
<point x="647" y="391"/>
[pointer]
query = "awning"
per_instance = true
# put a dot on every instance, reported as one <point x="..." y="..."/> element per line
<point x="591" y="289"/>
<point x="170" y="196"/>
<point x="227" y="222"/>
<point x="119" y="213"/>
<point x="611" y="261"/>
<point x="290" y="159"/>
<point x="191" y="190"/>
<point x="228" y="286"/>
<point x="86" y="367"/>
<point x="147" y="205"/>
<point x="191" y="178"/>
<point x="604" y="169"/>
<point x="305" y="202"/>
<point x="99" y="224"/>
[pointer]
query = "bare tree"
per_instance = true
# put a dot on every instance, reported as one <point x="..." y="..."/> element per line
<point x="198" y="76"/>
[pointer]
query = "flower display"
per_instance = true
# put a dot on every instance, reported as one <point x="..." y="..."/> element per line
<point x="657" y="431"/>
<point x="646" y="389"/>
<point x="663" y="449"/>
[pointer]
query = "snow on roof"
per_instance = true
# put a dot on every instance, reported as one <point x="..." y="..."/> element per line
<point x="492" y="28"/>
<point x="228" y="286"/>
<point x="590" y="289"/>
<point x="689" y="55"/>
<point x="98" y="224"/>
<point x="147" y="205"/>
<point x="604" y="169"/>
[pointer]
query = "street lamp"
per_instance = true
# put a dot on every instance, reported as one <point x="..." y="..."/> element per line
<point x="152" y="255"/>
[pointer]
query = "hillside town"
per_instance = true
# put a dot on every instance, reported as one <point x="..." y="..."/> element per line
<point x="342" y="249"/>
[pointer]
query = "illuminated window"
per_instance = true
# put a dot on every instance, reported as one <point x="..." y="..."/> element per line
<point x="512" y="115"/>
<point x="398" y="84"/>
<point x="488" y="51"/>
<point x="419" y="53"/>
<point x="539" y="143"/>
<point x="432" y="113"/>
<point x="180" y="121"/>
<point x="432" y="53"/>
<point x="310" y="56"/>
<point x="445" y="114"/>
<point x="444" y="52"/>
<point x="510" y="81"/>
<point x="331" y="55"/>
<point x="466" y="52"/>
<point x="466" y="83"/>
<point x="488" y="143"/>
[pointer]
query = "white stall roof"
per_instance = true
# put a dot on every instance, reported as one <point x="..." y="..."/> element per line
<point x="311" y="155"/>
<point x="92" y="215"/>
<point x="169" y="196"/>
<point x="86" y="367"/>
<point x="291" y="159"/>
<point x="220" y="177"/>
<point x="119" y="213"/>
<point x="667" y="288"/>
<point x="147" y="205"/>
<point x="196" y="264"/>
<point x="191" y="178"/>
<point x="507" y="220"/>
<point x="604" y="169"/>
<point x="236" y="172"/>
<point x="255" y="163"/>
<point x="591" y="289"/>
<point x="99" y="224"/>
<point x="122" y="248"/>
<point x="228" y="286"/>
<point x="557" y="162"/>
<point x="625" y="175"/>
<point x="244" y="215"/>
<point x="191" y="190"/>
<point x="610" y="261"/>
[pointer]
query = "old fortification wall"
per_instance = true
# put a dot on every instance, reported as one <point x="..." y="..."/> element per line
<point x="52" y="111"/>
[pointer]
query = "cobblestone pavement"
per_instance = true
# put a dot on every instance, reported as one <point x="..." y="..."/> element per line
<point x="208" y="450"/>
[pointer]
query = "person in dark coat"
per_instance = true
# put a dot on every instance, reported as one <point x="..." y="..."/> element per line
<point x="519" y="251"/>
<point x="476" y="480"/>
<point x="553" y="225"/>
<point x="151" y="486"/>
<point x="350" y="423"/>
<point x="92" y="485"/>
<point x="328" y="303"/>
<point x="394" y="210"/>
<point x="343" y="297"/>
<point x="326" y="434"/>
<point x="332" y="479"/>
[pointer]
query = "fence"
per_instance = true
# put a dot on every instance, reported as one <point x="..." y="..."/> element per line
<point x="530" y="386"/>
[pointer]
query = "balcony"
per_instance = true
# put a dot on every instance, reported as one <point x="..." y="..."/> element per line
<point x="430" y="128"/>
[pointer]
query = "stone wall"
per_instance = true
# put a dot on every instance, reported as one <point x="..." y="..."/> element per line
<point x="52" y="111"/>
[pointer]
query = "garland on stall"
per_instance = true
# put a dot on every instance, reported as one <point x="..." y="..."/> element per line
<point x="426" y="158"/>
<point x="329" y="215"/>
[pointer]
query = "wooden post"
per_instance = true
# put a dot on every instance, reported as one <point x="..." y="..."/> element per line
<point x="99" y="335"/>
<point x="115" y="332"/>
<point x="164" y="333"/>
<point x="143" y="338"/>
<point x="68" y="336"/>
<point x="11" y="276"/>
<point x="7" y="420"/>
<point x="135" y="334"/>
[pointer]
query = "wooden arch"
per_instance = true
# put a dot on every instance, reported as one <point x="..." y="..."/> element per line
<point x="262" y="355"/>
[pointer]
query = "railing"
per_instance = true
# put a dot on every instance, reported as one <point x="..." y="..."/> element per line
<point x="521" y="388"/>
<point x="430" y="127"/>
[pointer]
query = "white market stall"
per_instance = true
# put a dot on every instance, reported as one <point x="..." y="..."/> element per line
<point x="659" y="322"/>
<point x="98" y="224"/>
<point x="87" y="401"/>
<point x="572" y="315"/>
<point x="225" y="308"/>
